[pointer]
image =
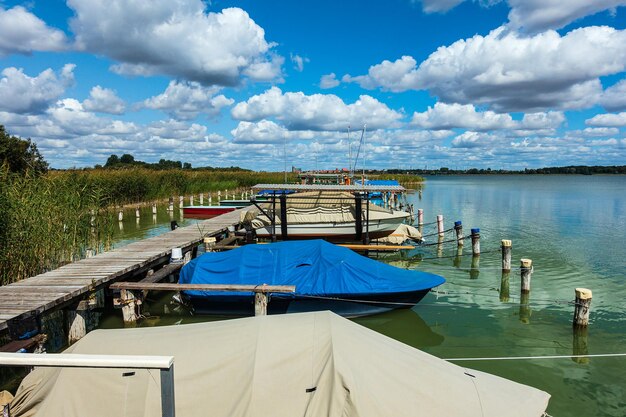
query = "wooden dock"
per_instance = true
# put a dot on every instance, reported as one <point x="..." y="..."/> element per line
<point x="73" y="282"/>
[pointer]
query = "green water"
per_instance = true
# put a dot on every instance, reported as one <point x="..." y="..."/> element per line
<point x="572" y="227"/>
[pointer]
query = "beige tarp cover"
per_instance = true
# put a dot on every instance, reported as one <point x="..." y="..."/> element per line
<point x="310" y="364"/>
<point x="316" y="207"/>
<point x="402" y="233"/>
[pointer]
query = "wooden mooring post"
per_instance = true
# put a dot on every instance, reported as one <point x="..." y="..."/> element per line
<point x="440" y="225"/>
<point x="154" y="208"/>
<point x="526" y="268"/>
<point x="506" y="255"/>
<point x="170" y="206"/>
<point x="181" y="201"/>
<point x="260" y="304"/>
<point x="120" y="215"/>
<point x="191" y="200"/>
<point x="420" y="217"/>
<point x="475" y="242"/>
<point x="137" y="212"/>
<point x="582" y="307"/>
<point x="475" y="267"/>
<point x="458" y="228"/>
<point x="202" y="199"/>
<point x="504" y="286"/>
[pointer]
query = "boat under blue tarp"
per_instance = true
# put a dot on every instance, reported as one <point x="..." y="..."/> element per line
<point x="326" y="277"/>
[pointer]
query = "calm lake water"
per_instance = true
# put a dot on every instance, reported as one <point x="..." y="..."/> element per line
<point x="572" y="227"/>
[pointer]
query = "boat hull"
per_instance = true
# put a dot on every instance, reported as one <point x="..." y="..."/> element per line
<point x="347" y="305"/>
<point x="207" y="211"/>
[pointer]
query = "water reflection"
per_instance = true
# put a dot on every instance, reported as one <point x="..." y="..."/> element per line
<point x="404" y="325"/>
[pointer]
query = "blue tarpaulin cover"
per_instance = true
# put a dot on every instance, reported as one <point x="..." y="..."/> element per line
<point x="315" y="267"/>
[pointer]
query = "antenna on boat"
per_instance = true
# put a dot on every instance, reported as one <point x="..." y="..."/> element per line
<point x="359" y="151"/>
<point x="349" y="153"/>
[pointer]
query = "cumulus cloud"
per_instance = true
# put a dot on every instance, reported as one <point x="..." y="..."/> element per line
<point x="22" y="32"/>
<point x="176" y="38"/>
<point x="608" y="120"/>
<point x="104" y="100"/>
<point x="450" y="116"/>
<point x="329" y="81"/>
<point x="264" y="131"/>
<point x="591" y="132"/>
<point x="614" y="97"/>
<point x="540" y="15"/>
<point x="31" y="95"/>
<point x="185" y="100"/>
<point x="471" y="139"/>
<point x="511" y="72"/>
<point x="298" y="111"/>
<point x="70" y="115"/>
<point x="534" y="16"/>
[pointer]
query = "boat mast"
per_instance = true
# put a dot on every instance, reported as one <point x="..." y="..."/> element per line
<point x="359" y="151"/>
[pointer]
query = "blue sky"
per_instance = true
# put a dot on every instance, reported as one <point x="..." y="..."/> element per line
<point x="439" y="83"/>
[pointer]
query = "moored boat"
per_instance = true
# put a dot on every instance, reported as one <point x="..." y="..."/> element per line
<point x="326" y="277"/>
<point x="200" y="212"/>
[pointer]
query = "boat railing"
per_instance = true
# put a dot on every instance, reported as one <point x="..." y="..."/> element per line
<point x="165" y="365"/>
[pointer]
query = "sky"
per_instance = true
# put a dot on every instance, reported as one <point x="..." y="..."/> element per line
<point x="264" y="85"/>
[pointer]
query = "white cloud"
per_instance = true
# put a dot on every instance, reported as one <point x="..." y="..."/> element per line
<point x="329" y="81"/>
<point x="539" y="15"/>
<point x="176" y="38"/>
<point x="471" y="139"/>
<point x="70" y="115"/>
<point x="608" y="120"/>
<point x="439" y="6"/>
<point x="541" y="120"/>
<point x="104" y="100"/>
<point x="450" y="116"/>
<point x="298" y="111"/>
<point x="535" y="15"/>
<point x="591" y="132"/>
<point x="511" y="72"/>
<point x="396" y="76"/>
<point x="22" y="32"/>
<point x="298" y="62"/>
<point x="185" y="100"/>
<point x="264" y="131"/>
<point x="614" y="97"/>
<point x="31" y="95"/>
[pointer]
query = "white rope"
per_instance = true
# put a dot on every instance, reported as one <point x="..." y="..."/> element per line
<point x="507" y="358"/>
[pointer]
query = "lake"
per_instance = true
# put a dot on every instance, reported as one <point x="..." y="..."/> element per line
<point x="572" y="227"/>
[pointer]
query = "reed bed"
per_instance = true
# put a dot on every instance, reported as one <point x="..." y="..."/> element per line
<point x="48" y="221"/>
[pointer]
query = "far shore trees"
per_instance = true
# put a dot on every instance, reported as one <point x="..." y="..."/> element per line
<point x="20" y="155"/>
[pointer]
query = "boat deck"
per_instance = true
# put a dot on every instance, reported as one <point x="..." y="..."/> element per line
<point x="35" y="295"/>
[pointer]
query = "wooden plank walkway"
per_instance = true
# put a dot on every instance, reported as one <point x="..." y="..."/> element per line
<point x="46" y="291"/>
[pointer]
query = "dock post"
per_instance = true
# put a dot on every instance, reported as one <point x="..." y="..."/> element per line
<point x="77" y="323"/>
<point x="439" y="246"/>
<point x="137" y="214"/>
<point x="202" y="199"/>
<point x="580" y="346"/>
<point x="260" y="304"/>
<point x="524" y="308"/>
<point x="458" y="227"/>
<point x="476" y="242"/>
<point x="209" y="243"/>
<point x="191" y="200"/>
<point x="219" y="196"/>
<point x="582" y="307"/>
<point x="129" y="312"/>
<point x="120" y="215"/>
<point x="420" y="217"/>
<point x="506" y="255"/>
<point x="440" y="225"/>
<point x="210" y="198"/>
<point x="526" y="274"/>
<point x="181" y="201"/>
<point x="154" y="208"/>
<point x="171" y="205"/>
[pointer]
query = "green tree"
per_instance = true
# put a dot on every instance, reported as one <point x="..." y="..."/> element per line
<point x="20" y="155"/>
<point x="112" y="161"/>
<point x="127" y="159"/>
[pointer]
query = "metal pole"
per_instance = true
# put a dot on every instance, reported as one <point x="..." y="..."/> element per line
<point x="168" y="406"/>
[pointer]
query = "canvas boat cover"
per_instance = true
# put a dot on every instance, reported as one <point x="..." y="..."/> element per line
<point x="315" y="267"/>
<point x="310" y="364"/>
<point x="318" y="207"/>
<point x="402" y="233"/>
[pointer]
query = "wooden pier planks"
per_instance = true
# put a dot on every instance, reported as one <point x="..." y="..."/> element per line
<point x="43" y="292"/>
